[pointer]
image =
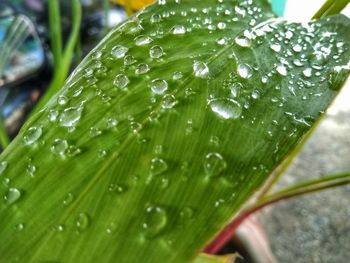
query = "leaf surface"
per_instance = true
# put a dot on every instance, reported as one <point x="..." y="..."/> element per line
<point x="164" y="131"/>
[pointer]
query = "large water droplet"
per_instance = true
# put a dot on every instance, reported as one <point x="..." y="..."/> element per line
<point x="12" y="195"/>
<point x="226" y="108"/>
<point x="119" y="51"/>
<point x="59" y="147"/>
<point x="143" y="40"/>
<point x="142" y="68"/>
<point x="82" y="222"/>
<point x="178" y="30"/>
<point x="155" y="221"/>
<point x="70" y="116"/>
<point x="281" y="69"/>
<point x="307" y="72"/>
<point x="156" y="52"/>
<point x="275" y="47"/>
<point x="158" y="166"/>
<point x="214" y="164"/>
<point x="242" y="41"/>
<point x="244" y="71"/>
<point x="32" y="135"/>
<point x="159" y="86"/>
<point x="200" y="69"/>
<point x="121" y="81"/>
<point x="169" y="101"/>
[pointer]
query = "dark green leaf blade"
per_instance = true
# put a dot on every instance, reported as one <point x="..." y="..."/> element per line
<point x="164" y="131"/>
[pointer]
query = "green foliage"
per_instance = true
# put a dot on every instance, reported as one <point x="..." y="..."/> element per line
<point x="165" y="130"/>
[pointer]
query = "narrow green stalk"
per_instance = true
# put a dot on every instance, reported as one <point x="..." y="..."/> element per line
<point x="55" y="32"/>
<point x="4" y="139"/>
<point x="331" y="7"/>
<point x="106" y="7"/>
<point x="63" y="70"/>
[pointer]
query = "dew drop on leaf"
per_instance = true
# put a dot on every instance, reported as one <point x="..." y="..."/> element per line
<point x="155" y="221"/>
<point x="307" y="72"/>
<point x="53" y="114"/>
<point x="158" y="166"/>
<point x="200" y="69"/>
<point x="169" y="101"/>
<point x="32" y="135"/>
<point x="129" y="60"/>
<point x="143" y="40"/>
<point x="177" y="75"/>
<point x="226" y="108"/>
<point x="159" y="86"/>
<point x="70" y="116"/>
<point x="281" y="69"/>
<point x="214" y="164"/>
<point x="244" y="71"/>
<point x="12" y="195"/>
<point x="82" y="222"/>
<point x="276" y="47"/>
<point x="242" y="41"/>
<point x="156" y="52"/>
<point x="178" y="30"/>
<point x="59" y="147"/>
<point x="121" y="81"/>
<point x="119" y="51"/>
<point x="142" y="68"/>
<point x="69" y="198"/>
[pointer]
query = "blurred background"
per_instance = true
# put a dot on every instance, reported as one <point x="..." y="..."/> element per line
<point x="314" y="228"/>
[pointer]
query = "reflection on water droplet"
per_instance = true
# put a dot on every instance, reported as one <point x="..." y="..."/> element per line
<point x="121" y="81"/>
<point x="53" y="114"/>
<point x="156" y="52"/>
<point x="19" y="227"/>
<point x="186" y="213"/>
<point x="70" y="116"/>
<point x="275" y="47"/>
<point x="214" y="164"/>
<point x="169" y="101"/>
<point x="158" y="166"/>
<point x="242" y="41"/>
<point x="32" y="135"/>
<point x="200" y="69"/>
<point x="297" y="48"/>
<point x="68" y="199"/>
<point x="177" y="75"/>
<point x="159" y="86"/>
<point x="244" y="71"/>
<point x="226" y="108"/>
<point x="307" y="72"/>
<point x="59" y="147"/>
<point x="178" y="30"/>
<point x="82" y="222"/>
<point x="62" y="100"/>
<point x="31" y="169"/>
<point x="129" y="60"/>
<point x="12" y="195"/>
<point x="3" y="166"/>
<point x="119" y="51"/>
<point x="143" y="40"/>
<point x="142" y="68"/>
<point x="155" y="221"/>
<point x="281" y="69"/>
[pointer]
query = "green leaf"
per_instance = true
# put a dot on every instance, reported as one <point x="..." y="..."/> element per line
<point x="165" y="130"/>
<point x="202" y="258"/>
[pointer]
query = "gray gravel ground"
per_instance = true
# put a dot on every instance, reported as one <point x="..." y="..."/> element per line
<point x="316" y="227"/>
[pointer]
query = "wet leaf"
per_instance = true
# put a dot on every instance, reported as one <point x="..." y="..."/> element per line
<point x="165" y="130"/>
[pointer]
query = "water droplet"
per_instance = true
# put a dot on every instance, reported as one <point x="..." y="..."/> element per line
<point x="68" y="199"/>
<point x="59" y="147"/>
<point x="281" y="69"/>
<point x="143" y="40"/>
<point x="70" y="116"/>
<point x="111" y="228"/>
<point x="32" y="135"/>
<point x="307" y="72"/>
<point x="135" y="127"/>
<point x="221" y="41"/>
<point x="186" y="213"/>
<point x="12" y="195"/>
<point x="169" y="101"/>
<point x="62" y="100"/>
<point x="156" y="18"/>
<point x="242" y="41"/>
<point x="119" y="51"/>
<point x="226" y="108"/>
<point x="53" y="114"/>
<point x="31" y="169"/>
<point x="221" y="25"/>
<point x="244" y="71"/>
<point x="3" y="167"/>
<point x="297" y="48"/>
<point x="158" y="166"/>
<point x="255" y="94"/>
<point x="19" y="227"/>
<point x="129" y="60"/>
<point x="121" y="81"/>
<point x="235" y="89"/>
<point x="142" y="68"/>
<point x="178" y="30"/>
<point x="82" y="222"/>
<point x="276" y="47"/>
<point x="94" y="132"/>
<point x="200" y="69"/>
<point x="155" y="221"/>
<point x="117" y="188"/>
<point x="177" y="75"/>
<point x="159" y="86"/>
<point x="214" y="164"/>
<point x="156" y="52"/>
<point x="111" y="123"/>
